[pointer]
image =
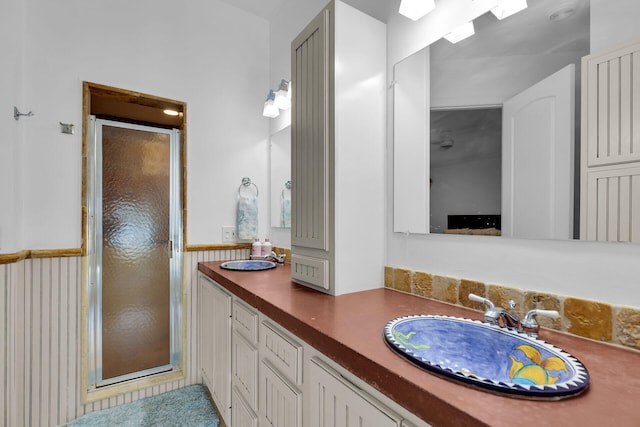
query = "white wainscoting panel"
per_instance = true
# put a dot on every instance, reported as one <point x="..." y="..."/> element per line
<point x="40" y="332"/>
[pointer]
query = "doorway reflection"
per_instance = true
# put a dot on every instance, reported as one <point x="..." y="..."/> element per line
<point x="466" y="153"/>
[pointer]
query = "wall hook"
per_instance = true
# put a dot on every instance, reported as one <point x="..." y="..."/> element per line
<point x="17" y="113"/>
<point x="66" y="128"/>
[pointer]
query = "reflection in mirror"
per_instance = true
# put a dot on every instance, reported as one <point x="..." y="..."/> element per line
<point x="280" y="153"/>
<point x="466" y="146"/>
<point x="411" y="153"/>
<point x="479" y="75"/>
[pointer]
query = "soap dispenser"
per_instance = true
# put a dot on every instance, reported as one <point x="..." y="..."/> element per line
<point x="266" y="247"/>
<point x="256" y="248"/>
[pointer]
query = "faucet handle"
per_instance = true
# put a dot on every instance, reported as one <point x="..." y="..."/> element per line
<point x="279" y="258"/>
<point x="476" y="298"/>
<point x="530" y="324"/>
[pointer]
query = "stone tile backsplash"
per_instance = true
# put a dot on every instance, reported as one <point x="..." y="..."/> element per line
<point x="590" y="319"/>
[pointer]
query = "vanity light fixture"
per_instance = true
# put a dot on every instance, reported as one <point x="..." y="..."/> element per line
<point x="170" y="112"/>
<point x="416" y="9"/>
<point x="270" y="109"/>
<point x="283" y="95"/>
<point x="508" y="7"/>
<point x="461" y="33"/>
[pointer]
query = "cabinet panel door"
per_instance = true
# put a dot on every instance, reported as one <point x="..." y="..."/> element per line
<point x="206" y="338"/>
<point x="337" y="403"/>
<point x="280" y="402"/>
<point x="611" y="99"/>
<point x="216" y="362"/>
<point x="613" y="209"/>
<point x="241" y="413"/>
<point x="610" y="150"/>
<point x="310" y="136"/>
<point x="245" y="369"/>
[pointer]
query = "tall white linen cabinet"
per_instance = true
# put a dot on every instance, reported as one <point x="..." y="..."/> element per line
<point x="338" y="151"/>
<point x="610" y="152"/>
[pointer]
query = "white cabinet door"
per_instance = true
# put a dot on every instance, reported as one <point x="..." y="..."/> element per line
<point x="613" y="208"/>
<point x="336" y="403"/>
<point x="215" y="330"/>
<point x="280" y="402"/>
<point x="206" y="338"/>
<point x="309" y="136"/>
<point x="245" y="369"/>
<point x="610" y="151"/>
<point x="241" y="413"/>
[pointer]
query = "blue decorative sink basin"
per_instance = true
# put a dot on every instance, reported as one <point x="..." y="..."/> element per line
<point x="487" y="356"/>
<point x="248" y="265"/>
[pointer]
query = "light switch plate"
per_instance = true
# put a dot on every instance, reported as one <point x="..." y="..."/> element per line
<point x="228" y="233"/>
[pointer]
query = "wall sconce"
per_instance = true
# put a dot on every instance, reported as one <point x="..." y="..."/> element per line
<point x="508" y="7"/>
<point x="270" y="109"/>
<point x="416" y="9"/>
<point x="283" y="95"/>
<point x="461" y="33"/>
<point x="277" y="100"/>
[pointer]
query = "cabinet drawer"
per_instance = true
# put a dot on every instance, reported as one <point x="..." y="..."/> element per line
<point x="245" y="321"/>
<point x="314" y="271"/>
<point x="283" y="352"/>
<point x="280" y="402"/>
<point x="245" y="369"/>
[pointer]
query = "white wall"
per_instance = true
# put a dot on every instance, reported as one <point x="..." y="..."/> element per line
<point x="606" y="272"/>
<point x="211" y="55"/>
<point x="11" y="141"/>
<point x="614" y="23"/>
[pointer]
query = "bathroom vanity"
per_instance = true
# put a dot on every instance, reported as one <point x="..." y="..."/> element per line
<point x="288" y="342"/>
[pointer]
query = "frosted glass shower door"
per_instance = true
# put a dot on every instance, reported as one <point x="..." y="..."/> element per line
<point x="134" y="239"/>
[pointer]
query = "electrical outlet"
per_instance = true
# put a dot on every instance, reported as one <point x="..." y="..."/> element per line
<point x="228" y="234"/>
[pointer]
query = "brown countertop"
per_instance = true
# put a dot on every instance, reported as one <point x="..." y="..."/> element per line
<point x="613" y="396"/>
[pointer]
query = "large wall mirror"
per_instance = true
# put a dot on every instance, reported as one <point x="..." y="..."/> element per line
<point x="484" y="105"/>
<point x="280" y="165"/>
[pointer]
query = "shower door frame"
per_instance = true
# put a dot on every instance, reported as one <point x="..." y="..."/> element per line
<point x="94" y="255"/>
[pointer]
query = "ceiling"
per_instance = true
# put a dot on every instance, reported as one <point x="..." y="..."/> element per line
<point x="379" y="9"/>
<point x="263" y="8"/>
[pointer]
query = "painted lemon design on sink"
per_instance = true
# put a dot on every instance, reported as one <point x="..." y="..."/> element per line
<point x="536" y="372"/>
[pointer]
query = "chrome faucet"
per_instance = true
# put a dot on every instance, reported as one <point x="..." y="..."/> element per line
<point x="508" y="319"/>
<point x="497" y="315"/>
<point x="271" y="257"/>
<point x="275" y="257"/>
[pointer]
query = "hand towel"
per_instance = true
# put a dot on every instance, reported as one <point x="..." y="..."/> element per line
<point x="247" y="217"/>
<point x="285" y="217"/>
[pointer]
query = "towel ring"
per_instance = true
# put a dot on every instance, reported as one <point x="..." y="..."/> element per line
<point x="246" y="183"/>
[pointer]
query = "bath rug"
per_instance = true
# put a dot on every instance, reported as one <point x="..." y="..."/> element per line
<point x="185" y="407"/>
